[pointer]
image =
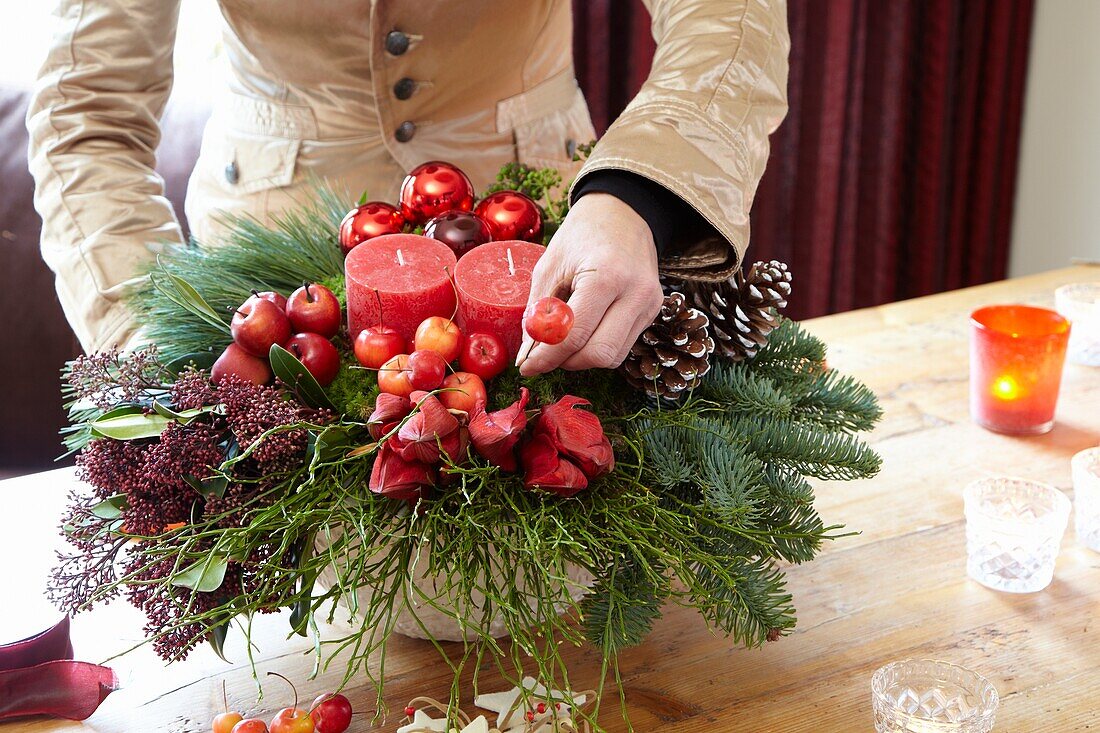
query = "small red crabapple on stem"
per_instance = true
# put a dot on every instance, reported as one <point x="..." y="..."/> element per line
<point x="225" y="722"/>
<point x="292" y="719"/>
<point x="548" y="320"/>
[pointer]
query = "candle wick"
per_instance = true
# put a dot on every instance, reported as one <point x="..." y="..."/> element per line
<point x="511" y="263"/>
<point x="400" y="258"/>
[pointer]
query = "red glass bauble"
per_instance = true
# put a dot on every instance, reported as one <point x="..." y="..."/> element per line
<point x="434" y="188"/>
<point x="459" y="230"/>
<point x="367" y="221"/>
<point x="511" y="215"/>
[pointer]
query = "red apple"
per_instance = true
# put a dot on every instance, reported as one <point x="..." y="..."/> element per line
<point x="250" y="725"/>
<point x="462" y="391"/>
<point x="331" y="713"/>
<point x="270" y="295"/>
<point x="226" y="722"/>
<point x="258" y="324"/>
<point x="393" y="376"/>
<point x="376" y="345"/>
<point x="317" y="354"/>
<point x="548" y="320"/>
<point x="440" y="335"/>
<point x="292" y="720"/>
<point x="314" y="308"/>
<point x="426" y="369"/>
<point x="484" y="355"/>
<point x="235" y="360"/>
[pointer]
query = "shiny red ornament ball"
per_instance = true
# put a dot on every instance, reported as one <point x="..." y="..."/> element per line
<point x="367" y="221"/>
<point x="435" y="188"/>
<point x="459" y="230"/>
<point x="511" y="215"/>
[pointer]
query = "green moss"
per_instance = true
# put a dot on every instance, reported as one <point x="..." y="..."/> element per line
<point x="355" y="388"/>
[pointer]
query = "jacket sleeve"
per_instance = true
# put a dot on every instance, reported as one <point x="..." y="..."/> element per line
<point x="700" y="124"/>
<point x="94" y="129"/>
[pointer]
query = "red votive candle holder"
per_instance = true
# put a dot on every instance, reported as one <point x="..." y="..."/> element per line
<point x="1016" y="358"/>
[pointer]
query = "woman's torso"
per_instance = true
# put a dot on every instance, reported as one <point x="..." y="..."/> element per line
<point x="357" y="92"/>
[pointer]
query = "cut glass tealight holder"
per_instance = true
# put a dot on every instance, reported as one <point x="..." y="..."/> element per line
<point x="1080" y="305"/>
<point x="1014" y="529"/>
<point x="1086" y="497"/>
<point x="925" y="696"/>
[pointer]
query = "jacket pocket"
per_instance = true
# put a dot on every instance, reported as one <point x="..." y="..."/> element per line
<point x="234" y="174"/>
<point x="549" y="122"/>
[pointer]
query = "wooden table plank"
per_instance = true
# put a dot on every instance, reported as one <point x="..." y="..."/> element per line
<point x="898" y="589"/>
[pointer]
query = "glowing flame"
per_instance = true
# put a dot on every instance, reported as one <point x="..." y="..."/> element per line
<point x="1006" y="388"/>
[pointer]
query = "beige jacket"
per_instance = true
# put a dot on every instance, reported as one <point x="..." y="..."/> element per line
<point x="359" y="91"/>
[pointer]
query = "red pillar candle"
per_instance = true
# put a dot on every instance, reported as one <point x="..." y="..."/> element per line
<point x="411" y="275"/>
<point x="1016" y="358"/>
<point x="493" y="282"/>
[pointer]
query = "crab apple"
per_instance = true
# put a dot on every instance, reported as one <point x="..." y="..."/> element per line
<point x="376" y="345"/>
<point x="426" y="369"/>
<point x="314" y="308"/>
<point x="440" y="335"/>
<point x="235" y="360"/>
<point x="277" y="299"/>
<point x="250" y="725"/>
<point x="292" y="720"/>
<point x="548" y="320"/>
<point x="462" y="391"/>
<point x="393" y="376"/>
<point x="226" y="722"/>
<point x="317" y="354"/>
<point x="483" y="354"/>
<point x="258" y="324"/>
<point x="331" y="713"/>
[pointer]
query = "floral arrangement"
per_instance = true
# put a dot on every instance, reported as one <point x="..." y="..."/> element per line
<point x="258" y="455"/>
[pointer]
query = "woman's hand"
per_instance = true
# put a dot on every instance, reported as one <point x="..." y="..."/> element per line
<point x="602" y="260"/>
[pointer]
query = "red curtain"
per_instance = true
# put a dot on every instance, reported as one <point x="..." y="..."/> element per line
<point x="894" y="173"/>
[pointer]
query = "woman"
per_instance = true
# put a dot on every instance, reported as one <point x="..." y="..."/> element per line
<point x="359" y="91"/>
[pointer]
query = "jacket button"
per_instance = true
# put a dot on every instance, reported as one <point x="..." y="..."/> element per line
<point x="397" y="42"/>
<point x="405" y="131"/>
<point x="232" y="173"/>
<point x="570" y="147"/>
<point x="404" y="88"/>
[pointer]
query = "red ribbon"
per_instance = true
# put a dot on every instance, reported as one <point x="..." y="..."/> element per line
<point x="38" y="677"/>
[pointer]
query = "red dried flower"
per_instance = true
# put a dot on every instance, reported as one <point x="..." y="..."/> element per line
<point x="548" y="470"/>
<point x="420" y="436"/>
<point x="578" y="434"/>
<point x="388" y="409"/>
<point x="396" y="478"/>
<point x="495" y="434"/>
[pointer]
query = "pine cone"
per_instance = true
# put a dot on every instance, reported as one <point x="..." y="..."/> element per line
<point x="744" y="309"/>
<point x="671" y="354"/>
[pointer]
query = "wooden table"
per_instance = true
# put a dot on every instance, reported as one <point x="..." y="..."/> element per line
<point x="897" y="590"/>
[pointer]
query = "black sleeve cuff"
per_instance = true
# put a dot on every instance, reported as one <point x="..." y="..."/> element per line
<point x="662" y="210"/>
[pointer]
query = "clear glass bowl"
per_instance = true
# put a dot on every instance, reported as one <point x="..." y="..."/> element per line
<point x="1014" y="529"/>
<point x="1086" y="497"/>
<point x="925" y="696"/>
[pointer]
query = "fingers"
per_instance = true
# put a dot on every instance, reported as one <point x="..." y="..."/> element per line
<point x="592" y="295"/>
<point x="623" y="323"/>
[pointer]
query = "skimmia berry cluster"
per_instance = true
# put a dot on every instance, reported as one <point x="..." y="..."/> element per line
<point x="143" y="490"/>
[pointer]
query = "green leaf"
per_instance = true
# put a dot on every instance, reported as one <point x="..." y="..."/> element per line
<point x="180" y="292"/>
<point x="130" y="426"/>
<point x="185" y="416"/>
<point x="110" y="508"/>
<point x="197" y="359"/>
<point x="204" y="576"/>
<point x="216" y="636"/>
<point x="294" y="374"/>
<point x="213" y="486"/>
